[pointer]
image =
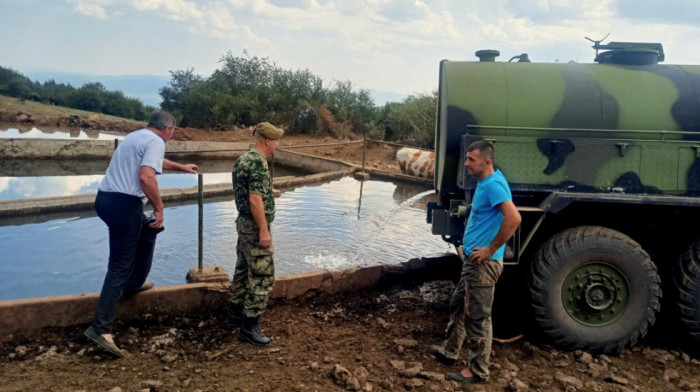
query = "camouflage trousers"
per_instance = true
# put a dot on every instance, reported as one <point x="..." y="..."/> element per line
<point x="254" y="277"/>
<point x="470" y="314"/>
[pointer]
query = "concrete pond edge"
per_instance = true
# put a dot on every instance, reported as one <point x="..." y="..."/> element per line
<point x="26" y="318"/>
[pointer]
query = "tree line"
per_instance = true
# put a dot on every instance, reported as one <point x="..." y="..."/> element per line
<point x="246" y="90"/>
<point x="93" y="97"/>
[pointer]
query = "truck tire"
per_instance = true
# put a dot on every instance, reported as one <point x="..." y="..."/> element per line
<point x="686" y="278"/>
<point x="594" y="289"/>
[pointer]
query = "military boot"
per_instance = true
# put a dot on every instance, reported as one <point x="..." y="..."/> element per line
<point x="250" y="332"/>
<point x="235" y="316"/>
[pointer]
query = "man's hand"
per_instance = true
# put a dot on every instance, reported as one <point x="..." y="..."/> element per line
<point x="158" y="223"/>
<point x="265" y="239"/>
<point x="480" y="254"/>
<point x="190" y="168"/>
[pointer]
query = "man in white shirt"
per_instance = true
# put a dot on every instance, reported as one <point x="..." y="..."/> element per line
<point x="130" y="182"/>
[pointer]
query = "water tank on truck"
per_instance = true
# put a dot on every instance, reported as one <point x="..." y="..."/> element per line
<point x="603" y="161"/>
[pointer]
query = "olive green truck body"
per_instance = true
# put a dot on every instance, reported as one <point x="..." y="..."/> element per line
<point x="603" y="161"/>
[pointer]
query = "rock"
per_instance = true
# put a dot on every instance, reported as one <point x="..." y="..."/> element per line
<point x="585" y="358"/>
<point x="313" y="366"/>
<point x="115" y="389"/>
<point x="368" y="387"/>
<point x="327" y="359"/>
<point x="383" y="323"/>
<point x="170" y="358"/>
<point x="386" y="384"/>
<point x="568" y="380"/>
<point x="685" y="385"/>
<point x="437" y="292"/>
<point x="511" y="367"/>
<point x="340" y="375"/>
<point x="515" y="385"/>
<point x="433" y="376"/>
<point x="593" y="386"/>
<point x="413" y="383"/>
<point x="406" y="342"/>
<point x="361" y="374"/>
<point x="398" y="365"/>
<point x="274" y="350"/>
<point x="21" y="351"/>
<point x="671" y="375"/>
<point x="22" y="118"/>
<point x="411" y="372"/>
<point x="685" y="358"/>
<point x="352" y="384"/>
<point x="616" y="379"/>
<point x="595" y="370"/>
<point x="152" y="384"/>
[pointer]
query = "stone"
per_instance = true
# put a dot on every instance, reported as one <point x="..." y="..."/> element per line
<point x="593" y="386"/>
<point x="432" y="376"/>
<point x="170" y="358"/>
<point x="115" y="389"/>
<point x="406" y="342"/>
<point x="352" y="384"/>
<point x="411" y="372"/>
<point x="21" y="350"/>
<point x="595" y="370"/>
<point x="413" y="383"/>
<point x="340" y="375"/>
<point x="361" y="374"/>
<point x="515" y="385"/>
<point x="383" y="323"/>
<point x="313" y="366"/>
<point x="386" y="384"/>
<point x="398" y="365"/>
<point x="612" y="378"/>
<point x="671" y="375"/>
<point x="685" y="385"/>
<point x="568" y="380"/>
<point x="585" y="358"/>
<point x="152" y="384"/>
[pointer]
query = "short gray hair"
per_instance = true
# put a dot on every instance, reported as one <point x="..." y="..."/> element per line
<point x="161" y="120"/>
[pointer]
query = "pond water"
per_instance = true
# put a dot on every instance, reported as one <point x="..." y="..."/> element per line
<point x="73" y="134"/>
<point x="24" y="179"/>
<point x="335" y="225"/>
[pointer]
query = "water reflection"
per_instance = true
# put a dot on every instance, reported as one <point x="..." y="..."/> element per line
<point x="73" y="134"/>
<point x="316" y="227"/>
<point x="23" y="179"/>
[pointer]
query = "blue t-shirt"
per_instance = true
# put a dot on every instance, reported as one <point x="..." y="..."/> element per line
<point x="485" y="218"/>
<point x="139" y="148"/>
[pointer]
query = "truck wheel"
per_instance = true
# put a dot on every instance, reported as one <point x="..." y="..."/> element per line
<point x="594" y="289"/>
<point x="686" y="278"/>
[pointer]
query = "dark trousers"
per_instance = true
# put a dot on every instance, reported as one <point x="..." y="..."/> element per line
<point x="131" y="244"/>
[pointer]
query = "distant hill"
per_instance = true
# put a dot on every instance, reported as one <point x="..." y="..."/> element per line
<point x="142" y="87"/>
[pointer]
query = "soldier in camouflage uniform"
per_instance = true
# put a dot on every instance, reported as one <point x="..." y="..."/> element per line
<point x="254" y="277"/>
<point x="492" y="221"/>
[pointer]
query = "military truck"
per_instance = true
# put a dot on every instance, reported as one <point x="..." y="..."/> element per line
<point x="603" y="160"/>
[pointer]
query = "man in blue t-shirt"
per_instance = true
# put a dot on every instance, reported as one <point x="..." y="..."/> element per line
<point x="492" y="221"/>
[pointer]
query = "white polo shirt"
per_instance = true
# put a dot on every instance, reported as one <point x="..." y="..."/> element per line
<point x="139" y="148"/>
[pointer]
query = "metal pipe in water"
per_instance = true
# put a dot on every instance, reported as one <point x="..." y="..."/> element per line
<point x="200" y="201"/>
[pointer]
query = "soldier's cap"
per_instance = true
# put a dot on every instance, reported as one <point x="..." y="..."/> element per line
<point x="269" y="131"/>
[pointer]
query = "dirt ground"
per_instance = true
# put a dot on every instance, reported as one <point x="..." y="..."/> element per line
<point x="376" y="341"/>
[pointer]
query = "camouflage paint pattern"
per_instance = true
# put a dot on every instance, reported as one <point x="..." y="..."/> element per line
<point x="254" y="277"/>
<point x="576" y="127"/>
<point x="251" y="175"/>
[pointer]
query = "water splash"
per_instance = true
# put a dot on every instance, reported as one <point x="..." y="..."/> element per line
<point x="381" y="223"/>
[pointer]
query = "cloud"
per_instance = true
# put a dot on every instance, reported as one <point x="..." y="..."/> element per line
<point x="663" y="12"/>
<point x="92" y="8"/>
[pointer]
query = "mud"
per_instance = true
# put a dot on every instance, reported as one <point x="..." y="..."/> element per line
<point x="372" y="341"/>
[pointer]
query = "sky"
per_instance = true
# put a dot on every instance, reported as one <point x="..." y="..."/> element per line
<point x="385" y="45"/>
